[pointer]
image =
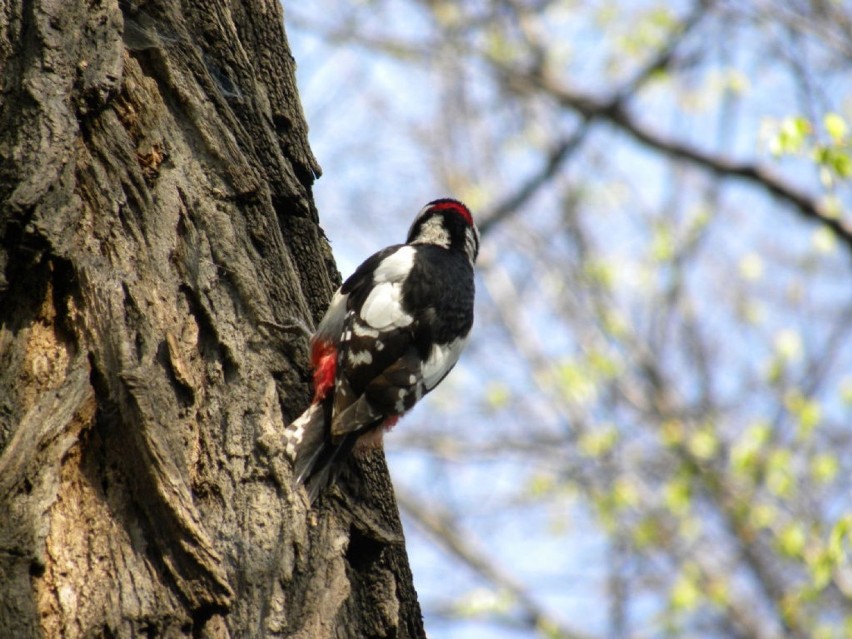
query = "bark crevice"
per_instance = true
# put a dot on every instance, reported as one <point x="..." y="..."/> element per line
<point x="156" y="223"/>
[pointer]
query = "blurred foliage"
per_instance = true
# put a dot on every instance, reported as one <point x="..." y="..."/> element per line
<point x="649" y="433"/>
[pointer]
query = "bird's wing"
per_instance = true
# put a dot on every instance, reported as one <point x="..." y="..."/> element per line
<point x="379" y="370"/>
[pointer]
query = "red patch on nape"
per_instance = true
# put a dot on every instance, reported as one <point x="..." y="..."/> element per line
<point x="448" y="204"/>
<point x="324" y="363"/>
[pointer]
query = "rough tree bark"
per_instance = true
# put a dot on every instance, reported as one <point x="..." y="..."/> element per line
<point x="156" y="231"/>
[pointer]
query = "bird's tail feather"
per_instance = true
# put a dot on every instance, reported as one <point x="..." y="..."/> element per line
<point x="316" y="457"/>
<point x="314" y="454"/>
<point x="305" y="438"/>
<point x="326" y="465"/>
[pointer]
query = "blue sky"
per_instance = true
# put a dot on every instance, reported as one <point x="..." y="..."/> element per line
<point x="373" y="123"/>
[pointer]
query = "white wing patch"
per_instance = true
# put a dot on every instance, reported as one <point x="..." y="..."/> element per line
<point x="383" y="307"/>
<point x="442" y="358"/>
<point x="396" y="266"/>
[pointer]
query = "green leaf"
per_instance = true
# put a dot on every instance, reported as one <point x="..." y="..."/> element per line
<point x="704" y="443"/>
<point x="600" y="273"/>
<point x="672" y="432"/>
<point x="541" y="485"/>
<point x="824" y="467"/>
<point x="779" y="473"/>
<point x="788" y="345"/>
<point x="548" y="628"/>
<point x="614" y="323"/>
<point x="662" y="244"/>
<point x="604" y="366"/>
<point x="482" y="601"/>
<point x="835" y="159"/>
<point x="791" y="540"/>
<point x="835" y="126"/>
<point x="498" y="47"/>
<point x="807" y="412"/>
<point x="685" y="594"/>
<point x="832" y="207"/>
<point x="751" y="267"/>
<point x="762" y="515"/>
<point x="497" y="396"/>
<point x="790" y="136"/>
<point x="575" y="382"/>
<point x="822" y="568"/>
<point x="824" y="240"/>
<point x="598" y="441"/>
<point x="624" y="493"/>
<point x="647" y="532"/>
<point x="840" y="536"/>
<point x="677" y="494"/>
<point x="746" y="453"/>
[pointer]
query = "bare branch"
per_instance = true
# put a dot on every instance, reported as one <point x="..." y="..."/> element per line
<point x="555" y="160"/>
<point x="441" y="526"/>
<point x="614" y="112"/>
<point x="566" y="148"/>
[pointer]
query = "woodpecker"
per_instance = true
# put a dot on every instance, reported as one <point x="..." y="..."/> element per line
<point x="392" y="332"/>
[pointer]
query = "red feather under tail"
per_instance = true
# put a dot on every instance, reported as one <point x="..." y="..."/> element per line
<point x="324" y="363"/>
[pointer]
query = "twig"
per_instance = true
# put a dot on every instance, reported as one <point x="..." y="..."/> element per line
<point x="442" y="528"/>
<point x="614" y="112"/>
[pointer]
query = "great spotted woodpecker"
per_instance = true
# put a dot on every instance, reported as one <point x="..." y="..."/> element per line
<point x="390" y="335"/>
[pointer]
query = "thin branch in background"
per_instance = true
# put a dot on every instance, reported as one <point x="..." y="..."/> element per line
<point x="565" y="149"/>
<point x="681" y="378"/>
<point x="618" y="585"/>
<point x="556" y="158"/>
<point x="613" y="111"/>
<point x="443" y="528"/>
<point x="726" y="499"/>
<point x="664" y="58"/>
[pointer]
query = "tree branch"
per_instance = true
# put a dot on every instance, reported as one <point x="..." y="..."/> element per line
<point x="614" y="112"/>
<point x="561" y="152"/>
<point x="555" y="160"/>
<point x="442" y="528"/>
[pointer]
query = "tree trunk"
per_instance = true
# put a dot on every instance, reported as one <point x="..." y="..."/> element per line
<point x="157" y="235"/>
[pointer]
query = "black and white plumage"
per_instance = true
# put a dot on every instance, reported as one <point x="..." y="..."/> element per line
<point x="390" y="335"/>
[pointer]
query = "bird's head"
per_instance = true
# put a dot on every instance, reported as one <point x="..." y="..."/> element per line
<point x="446" y="223"/>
